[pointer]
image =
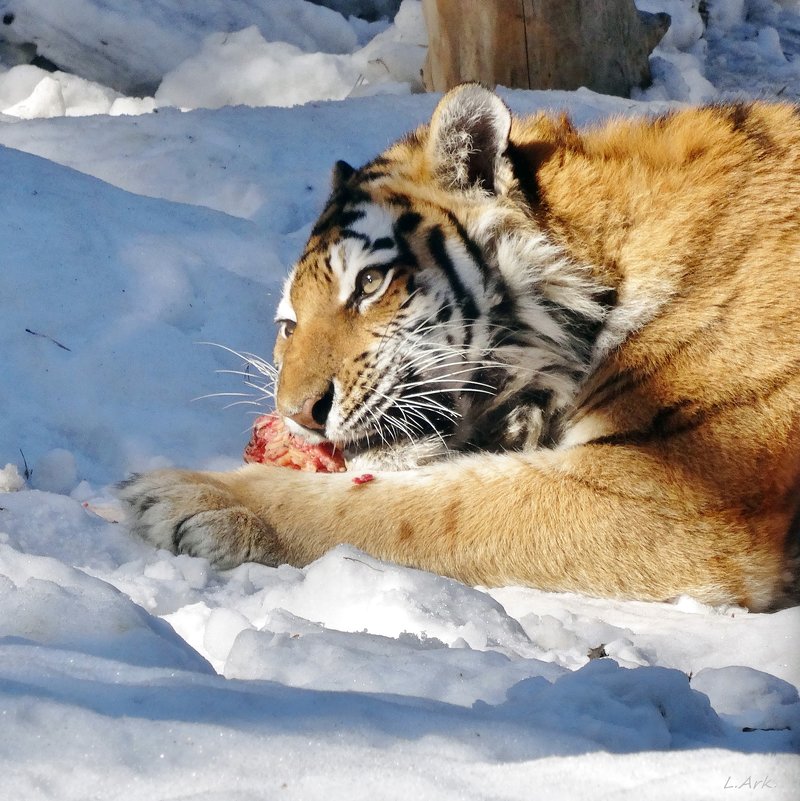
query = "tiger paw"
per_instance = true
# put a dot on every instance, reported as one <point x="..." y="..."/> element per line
<point x="196" y="514"/>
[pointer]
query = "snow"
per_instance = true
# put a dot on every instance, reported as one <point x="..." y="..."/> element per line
<point x="130" y="239"/>
<point x="281" y="53"/>
<point x="214" y="78"/>
<point x="244" y="68"/>
<point x="130" y="46"/>
<point x="56" y="472"/>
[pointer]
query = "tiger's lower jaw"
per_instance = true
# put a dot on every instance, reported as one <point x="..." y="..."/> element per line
<point x="400" y="455"/>
<point x="376" y="452"/>
<point x="396" y="448"/>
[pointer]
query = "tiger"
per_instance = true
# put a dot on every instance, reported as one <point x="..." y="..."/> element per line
<point x="570" y="356"/>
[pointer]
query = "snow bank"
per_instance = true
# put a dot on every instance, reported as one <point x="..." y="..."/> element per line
<point x="130" y="46"/>
<point x="244" y="69"/>
<point x="281" y="53"/>
<point x="751" y="699"/>
<point x="725" y="49"/>
<point x="89" y="370"/>
<point x="49" y="604"/>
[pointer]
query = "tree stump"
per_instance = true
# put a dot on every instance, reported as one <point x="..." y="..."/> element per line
<point x="540" y="44"/>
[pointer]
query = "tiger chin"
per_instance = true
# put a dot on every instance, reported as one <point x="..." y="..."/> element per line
<point x="572" y="358"/>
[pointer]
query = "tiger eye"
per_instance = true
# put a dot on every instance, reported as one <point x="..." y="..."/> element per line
<point x="369" y="282"/>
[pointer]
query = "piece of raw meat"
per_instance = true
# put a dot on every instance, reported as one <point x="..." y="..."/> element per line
<point x="272" y="443"/>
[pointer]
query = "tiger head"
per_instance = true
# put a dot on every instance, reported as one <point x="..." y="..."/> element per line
<point x="418" y="318"/>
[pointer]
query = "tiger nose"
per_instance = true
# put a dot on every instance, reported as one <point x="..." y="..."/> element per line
<point x="314" y="411"/>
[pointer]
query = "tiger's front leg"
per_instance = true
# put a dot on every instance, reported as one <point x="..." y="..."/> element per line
<point x="604" y="521"/>
<point x="275" y="515"/>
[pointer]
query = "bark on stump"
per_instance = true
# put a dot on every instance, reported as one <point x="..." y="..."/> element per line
<point x="540" y="44"/>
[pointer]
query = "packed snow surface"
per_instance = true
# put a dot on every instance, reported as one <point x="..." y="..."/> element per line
<point x="139" y="254"/>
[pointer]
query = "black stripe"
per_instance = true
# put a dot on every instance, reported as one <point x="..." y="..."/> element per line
<point x="378" y="161"/>
<point x="582" y="329"/>
<point x="350" y="195"/>
<point x="686" y="415"/>
<point x="340" y="210"/>
<point x="178" y="532"/>
<point x="411" y="285"/>
<point x="315" y="245"/>
<point x="472" y="248"/>
<point x="383" y="243"/>
<point x="743" y="120"/>
<point x="406" y="224"/>
<point x="372" y="175"/>
<point x="348" y="216"/>
<point x="464" y="298"/>
<point x="438" y="249"/>
<point x="525" y="174"/>
<point x="608" y="391"/>
<point x="666" y="423"/>
<point x="349" y="233"/>
<point x="628" y="379"/>
<point x="738" y="114"/>
<point x="326" y="268"/>
<point x="663" y="119"/>
<point x="398" y="200"/>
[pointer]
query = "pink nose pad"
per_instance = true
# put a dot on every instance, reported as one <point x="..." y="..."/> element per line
<point x="305" y="417"/>
<point x="314" y="411"/>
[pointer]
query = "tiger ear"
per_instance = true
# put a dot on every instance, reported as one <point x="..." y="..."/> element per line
<point x="340" y="173"/>
<point x="468" y="136"/>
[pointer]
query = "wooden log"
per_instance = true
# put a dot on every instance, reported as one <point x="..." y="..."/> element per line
<point x="540" y="44"/>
